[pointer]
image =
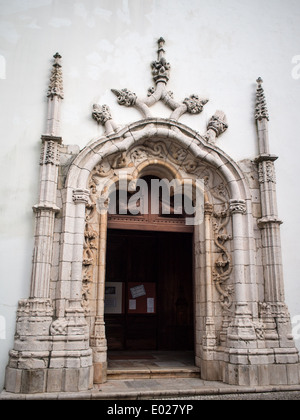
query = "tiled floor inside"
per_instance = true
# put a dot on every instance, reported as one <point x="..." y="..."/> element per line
<point x="150" y="360"/>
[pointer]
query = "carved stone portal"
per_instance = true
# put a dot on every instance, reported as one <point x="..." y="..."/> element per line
<point x="242" y="324"/>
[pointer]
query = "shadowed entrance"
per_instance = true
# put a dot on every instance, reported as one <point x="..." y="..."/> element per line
<point x="161" y="263"/>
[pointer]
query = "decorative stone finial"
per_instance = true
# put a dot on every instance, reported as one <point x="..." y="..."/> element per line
<point x="161" y="68"/>
<point x="261" y="110"/>
<point x="125" y="97"/>
<point x="161" y="51"/>
<point x="101" y="114"/>
<point x="56" y="87"/>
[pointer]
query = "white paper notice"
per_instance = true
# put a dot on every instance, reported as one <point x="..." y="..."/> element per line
<point x="138" y="291"/>
<point x="132" y="305"/>
<point x="150" y="306"/>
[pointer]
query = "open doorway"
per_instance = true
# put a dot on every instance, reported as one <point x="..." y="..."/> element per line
<point x="149" y="291"/>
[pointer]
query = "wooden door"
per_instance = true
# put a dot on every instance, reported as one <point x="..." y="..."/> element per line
<point x="160" y="261"/>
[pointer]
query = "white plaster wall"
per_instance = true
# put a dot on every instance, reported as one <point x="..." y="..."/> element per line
<point x="217" y="49"/>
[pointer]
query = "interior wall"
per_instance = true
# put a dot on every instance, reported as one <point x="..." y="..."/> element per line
<point x="217" y="49"/>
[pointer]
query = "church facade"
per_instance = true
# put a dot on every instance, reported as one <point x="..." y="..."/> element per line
<point x="225" y="271"/>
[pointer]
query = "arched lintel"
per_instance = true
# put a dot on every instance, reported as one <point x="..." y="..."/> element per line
<point x="159" y="129"/>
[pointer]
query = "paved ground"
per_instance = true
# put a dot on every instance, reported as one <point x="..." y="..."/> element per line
<point x="157" y="388"/>
<point x="163" y="389"/>
<point x="270" y="396"/>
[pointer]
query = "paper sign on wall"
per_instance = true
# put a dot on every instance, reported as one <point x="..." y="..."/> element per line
<point x="113" y="298"/>
<point x="138" y="291"/>
<point x="132" y="305"/>
<point x="150" y="306"/>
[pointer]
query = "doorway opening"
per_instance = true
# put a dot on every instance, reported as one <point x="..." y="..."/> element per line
<point x="149" y="302"/>
<point x="149" y="291"/>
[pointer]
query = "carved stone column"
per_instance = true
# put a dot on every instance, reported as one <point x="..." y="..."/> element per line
<point x="270" y="228"/>
<point x="210" y="338"/>
<point x="71" y="357"/>
<point x="241" y="333"/>
<point x="98" y="339"/>
<point x="27" y="370"/>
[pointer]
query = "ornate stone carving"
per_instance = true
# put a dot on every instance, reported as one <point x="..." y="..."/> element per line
<point x="259" y="328"/>
<point x="194" y="104"/>
<point x="56" y="81"/>
<point x="36" y="307"/>
<point x="261" y="110"/>
<point x="59" y="327"/>
<point x="87" y="281"/>
<point x="208" y="208"/>
<point x="90" y="246"/>
<point x="223" y="265"/>
<point x="217" y="125"/>
<point x="120" y="161"/>
<point x="237" y="206"/>
<point x="50" y="153"/>
<point x="161" y="68"/>
<point x="161" y="74"/>
<point x="125" y="97"/>
<point x="101" y="114"/>
<point x="266" y="172"/>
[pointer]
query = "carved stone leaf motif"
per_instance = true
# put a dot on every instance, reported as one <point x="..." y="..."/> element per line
<point x="194" y="104"/>
<point x="90" y="247"/>
<point x="161" y="70"/>
<point x="125" y="97"/>
<point x="223" y="265"/>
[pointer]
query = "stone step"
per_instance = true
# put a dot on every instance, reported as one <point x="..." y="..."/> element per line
<point x="152" y="373"/>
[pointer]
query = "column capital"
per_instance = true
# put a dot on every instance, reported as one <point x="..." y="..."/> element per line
<point x="208" y="209"/>
<point x="237" y="206"/>
<point x="81" y="196"/>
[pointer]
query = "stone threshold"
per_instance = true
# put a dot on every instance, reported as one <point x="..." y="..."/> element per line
<point x="213" y="389"/>
<point x="152" y="373"/>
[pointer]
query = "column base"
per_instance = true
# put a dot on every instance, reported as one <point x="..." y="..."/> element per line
<point x="262" y="375"/>
<point x="49" y="355"/>
<point x="37" y="381"/>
